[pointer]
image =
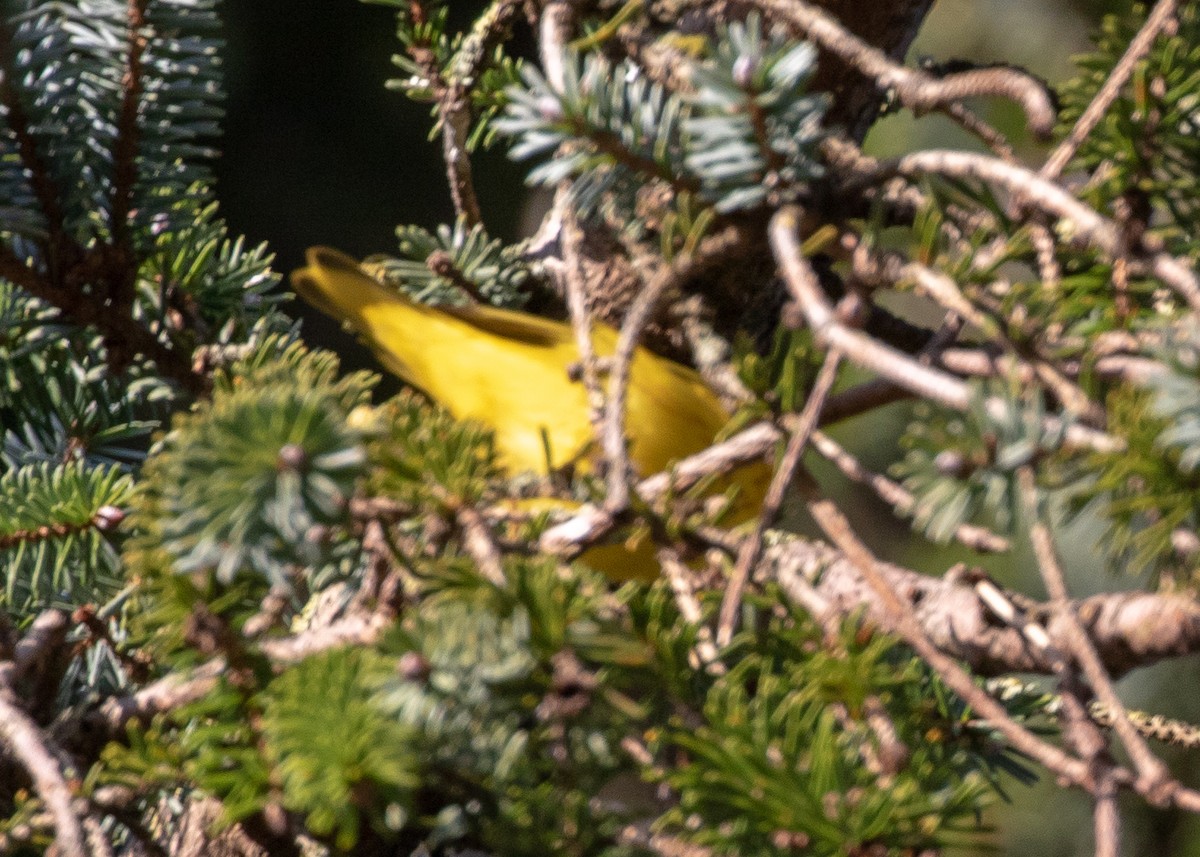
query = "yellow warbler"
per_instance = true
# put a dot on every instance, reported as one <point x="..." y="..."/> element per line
<point x="509" y="371"/>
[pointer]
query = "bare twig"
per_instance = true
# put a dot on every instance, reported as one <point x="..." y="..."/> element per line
<point x="590" y="523"/>
<point x="1154" y="779"/>
<point x="558" y="20"/>
<point x="480" y="544"/>
<point x="748" y="553"/>
<point x="24" y="741"/>
<point x="1106" y="820"/>
<point x="679" y="576"/>
<point x="882" y="359"/>
<point x="1158" y="20"/>
<point x="915" y="89"/>
<point x="640" y="312"/>
<point x="894" y="494"/>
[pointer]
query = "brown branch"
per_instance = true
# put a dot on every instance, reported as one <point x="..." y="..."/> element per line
<point x="705" y="654"/>
<point x="24" y="741"/>
<point x="125" y="146"/>
<point x="110" y="718"/>
<point x="868" y="353"/>
<point x="580" y="312"/>
<point x="589" y="523"/>
<point x="1128" y="629"/>
<point x="479" y="543"/>
<point x="916" y="89"/>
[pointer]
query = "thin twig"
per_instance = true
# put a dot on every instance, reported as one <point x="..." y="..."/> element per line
<point x="667" y="278"/>
<point x="748" y="553"/>
<point x="1106" y="818"/>
<point x="581" y="322"/>
<point x="1139" y="46"/>
<point x="22" y="738"/>
<point x="916" y="89"/>
<point x="868" y="353"/>
<point x="837" y="528"/>
<point x="896" y="495"/>
<point x="679" y="576"/>
<point x="480" y="544"/>
<point x="1154" y="779"/>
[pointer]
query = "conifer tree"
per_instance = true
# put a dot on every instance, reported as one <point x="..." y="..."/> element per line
<point x="250" y="606"/>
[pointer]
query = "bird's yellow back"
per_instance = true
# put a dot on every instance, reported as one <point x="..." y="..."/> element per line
<point x="508" y="370"/>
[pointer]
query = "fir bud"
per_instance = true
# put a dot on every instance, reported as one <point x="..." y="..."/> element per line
<point x="291" y="457"/>
<point x="108" y="518"/>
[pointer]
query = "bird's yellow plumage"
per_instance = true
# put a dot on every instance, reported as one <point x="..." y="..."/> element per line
<point x="508" y="370"/>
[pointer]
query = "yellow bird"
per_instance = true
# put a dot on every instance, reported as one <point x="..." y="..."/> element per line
<point x="508" y="371"/>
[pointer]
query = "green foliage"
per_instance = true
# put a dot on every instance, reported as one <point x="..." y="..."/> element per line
<point x="959" y="466"/>
<point x="455" y="265"/>
<point x="224" y="284"/>
<point x="68" y="63"/>
<point x="746" y="134"/>
<point x="788" y="750"/>
<point x="609" y="123"/>
<point x="220" y="746"/>
<point x="1143" y="494"/>
<point x="239" y="483"/>
<point x="421" y="30"/>
<point x="753" y="130"/>
<point x="546" y="713"/>
<point x="421" y="446"/>
<point x="1147" y="148"/>
<point x="1177" y="400"/>
<point x="56" y="546"/>
<point x="783" y="377"/>
<point x="336" y="753"/>
<point x="519" y="737"/>
<point x="105" y="177"/>
<point x="86" y="412"/>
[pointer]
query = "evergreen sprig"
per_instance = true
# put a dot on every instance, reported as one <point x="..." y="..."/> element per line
<point x="746" y="132"/>
<point x="57" y="543"/>
<point x="1148" y="146"/>
<point x="499" y="685"/>
<point x="777" y="761"/>
<point x="1149" y="492"/>
<point x="959" y="466"/>
<point x="455" y="265"/>
<point x="239" y="483"/>
<point x="110" y="168"/>
<point x="340" y="758"/>
<point x="608" y="118"/>
<point x="753" y="130"/>
<point x="434" y="60"/>
<point x="420" y="447"/>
